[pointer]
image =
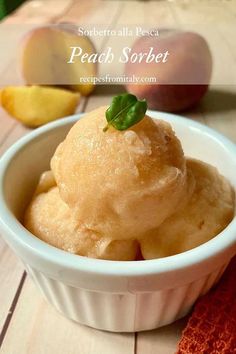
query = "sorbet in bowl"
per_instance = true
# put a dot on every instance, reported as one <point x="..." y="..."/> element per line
<point x="107" y="293"/>
<point x="122" y="195"/>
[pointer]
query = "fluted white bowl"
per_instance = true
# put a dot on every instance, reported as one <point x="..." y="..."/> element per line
<point x="112" y="295"/>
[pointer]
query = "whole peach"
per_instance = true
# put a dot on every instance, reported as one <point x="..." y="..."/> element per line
<point x="181" y="80"/>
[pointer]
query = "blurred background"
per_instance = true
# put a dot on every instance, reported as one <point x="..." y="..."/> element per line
<point x="6" y="7"/>
<point x="204" y="60"/>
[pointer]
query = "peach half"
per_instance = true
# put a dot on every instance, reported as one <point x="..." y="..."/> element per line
<point x="45" y="54"/>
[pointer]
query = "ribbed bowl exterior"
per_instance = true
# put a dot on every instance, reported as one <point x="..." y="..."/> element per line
<point x="123" y="312"/>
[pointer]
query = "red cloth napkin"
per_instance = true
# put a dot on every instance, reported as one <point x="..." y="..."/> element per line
<point x="211" y="328"/>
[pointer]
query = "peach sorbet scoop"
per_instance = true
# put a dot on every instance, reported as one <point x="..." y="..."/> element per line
<point x="119" y="184"/>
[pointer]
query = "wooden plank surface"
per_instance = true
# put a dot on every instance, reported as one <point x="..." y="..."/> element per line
<point x="162" y="340"/>
<point x="11" y="271"/>
<point x="29" y="328"/>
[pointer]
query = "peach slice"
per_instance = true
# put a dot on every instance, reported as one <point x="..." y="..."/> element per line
<point x="35" y="105"/>
<point x="45" y="54"/>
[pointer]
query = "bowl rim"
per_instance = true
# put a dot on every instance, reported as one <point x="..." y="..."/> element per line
<point x="12" y="227"/>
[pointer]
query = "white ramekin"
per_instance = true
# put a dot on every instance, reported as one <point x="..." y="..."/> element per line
<point x="110" y="295"/>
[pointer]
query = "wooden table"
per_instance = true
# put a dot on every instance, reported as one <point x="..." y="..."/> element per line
<point x="28" y="324"/>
